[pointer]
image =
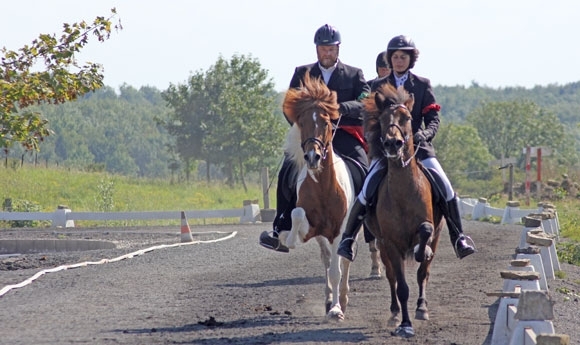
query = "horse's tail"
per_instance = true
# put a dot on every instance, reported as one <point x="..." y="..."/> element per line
<point x="293" y="147"/>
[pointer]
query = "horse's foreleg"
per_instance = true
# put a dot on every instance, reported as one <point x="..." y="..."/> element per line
<point x="334" y="278"/>
<point x="299" y="229"/>
<point x="422" y="251"/>
<point x="395" y="309"/>
<point x="405" y="329"/>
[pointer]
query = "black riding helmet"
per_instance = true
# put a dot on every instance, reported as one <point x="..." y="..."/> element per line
<point x="402" y="42"/>
<point x="327" y="35"/>
<point x="381" y="61"/>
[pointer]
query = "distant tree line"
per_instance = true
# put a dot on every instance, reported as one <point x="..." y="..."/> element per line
<point x="226" y="122"/>
<point x="217" y="126"/>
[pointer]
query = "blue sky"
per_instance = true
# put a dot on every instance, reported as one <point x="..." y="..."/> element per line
<point x="494" y="43"/>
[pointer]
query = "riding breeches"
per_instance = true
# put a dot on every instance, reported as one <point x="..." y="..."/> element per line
<point x="378" y="165"/>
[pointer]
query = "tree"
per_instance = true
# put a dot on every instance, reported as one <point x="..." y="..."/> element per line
<point x="226" y="116"/>
<point x="461" y="152"/>
<point x="507" y="127"/>
<point x="21" y="86"/>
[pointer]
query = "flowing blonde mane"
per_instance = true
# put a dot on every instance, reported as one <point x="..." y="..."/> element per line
<point x="312" y="96"/>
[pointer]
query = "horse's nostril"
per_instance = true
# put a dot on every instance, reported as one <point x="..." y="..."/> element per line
<point x="389" y="143"/>
<point x="399" y="144"/>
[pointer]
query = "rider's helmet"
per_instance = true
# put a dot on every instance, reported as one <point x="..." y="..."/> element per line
<point x="327" y="35"/>
<point x="381" y="61"/>
<point x="402" y="42"/>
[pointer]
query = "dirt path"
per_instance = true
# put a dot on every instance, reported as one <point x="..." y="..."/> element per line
<point x="236" y="292"/>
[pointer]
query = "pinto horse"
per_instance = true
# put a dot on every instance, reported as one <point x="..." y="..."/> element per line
<point x="325" y="187"/>
<point x="405" y="220"/>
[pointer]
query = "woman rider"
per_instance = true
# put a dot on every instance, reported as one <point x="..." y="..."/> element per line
<point x="401" y="56"/>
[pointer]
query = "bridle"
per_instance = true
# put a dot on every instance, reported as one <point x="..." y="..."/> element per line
<point x="316" y="141"/>
<point x="323" y="146"/>
<point x="393" y="108"/>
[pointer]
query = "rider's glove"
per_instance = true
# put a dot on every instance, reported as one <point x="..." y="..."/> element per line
<point x="419" y="137"/>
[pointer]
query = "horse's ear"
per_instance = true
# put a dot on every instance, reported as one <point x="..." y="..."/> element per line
<point x="380" y="101"/>
<point x="410" y="102"/>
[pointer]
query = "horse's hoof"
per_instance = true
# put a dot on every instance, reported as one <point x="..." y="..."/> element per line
<point x="335" y="314"/>
<point x="422" y="315"/>
<point x="405" y="332"/>
<point x="375" y="273"/>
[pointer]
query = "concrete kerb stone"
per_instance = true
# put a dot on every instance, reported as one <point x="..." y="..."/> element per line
<point x="532" y="225"/>
<point x="519" y="319"/>
<point x="523" y="265"/>
<point x="536" y="262"/>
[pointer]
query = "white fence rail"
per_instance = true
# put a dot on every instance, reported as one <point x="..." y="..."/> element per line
<point x="64" y="217"/>
<point x="511" y="214"/>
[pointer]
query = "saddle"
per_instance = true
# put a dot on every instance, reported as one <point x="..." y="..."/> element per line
<point x="290" y="174"/>
<point x="357" y="171"/>
<point x="437" y="185"/>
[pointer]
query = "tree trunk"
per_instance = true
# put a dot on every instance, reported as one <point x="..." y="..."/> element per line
<point x="241" y="164"/>
<point x="207" y="171"/>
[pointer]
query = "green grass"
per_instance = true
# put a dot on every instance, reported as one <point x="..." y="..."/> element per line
<point x="91" y="192"/>
<point x="41" y="189"/>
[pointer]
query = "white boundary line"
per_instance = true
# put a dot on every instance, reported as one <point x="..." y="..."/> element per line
<point x="7" y="288"/>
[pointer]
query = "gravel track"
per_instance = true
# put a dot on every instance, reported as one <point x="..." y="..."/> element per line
<point x="236" y="292"/>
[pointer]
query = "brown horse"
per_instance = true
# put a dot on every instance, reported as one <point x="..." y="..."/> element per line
<point x="405" y="219"/>
<point x="325" y="187"/>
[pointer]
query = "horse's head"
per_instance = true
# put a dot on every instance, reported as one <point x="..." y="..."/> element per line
<point x="311" y="107"/>
<point x="388" y="122"/>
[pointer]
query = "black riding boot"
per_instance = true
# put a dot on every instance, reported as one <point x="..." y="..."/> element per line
<point x="353" y="225"/>
<point x="458" y="240"/>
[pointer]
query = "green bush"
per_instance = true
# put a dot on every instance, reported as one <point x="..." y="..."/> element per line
<point x="24" y="206"/>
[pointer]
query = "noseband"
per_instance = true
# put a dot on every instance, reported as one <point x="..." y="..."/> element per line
<point x="316" y="141"/>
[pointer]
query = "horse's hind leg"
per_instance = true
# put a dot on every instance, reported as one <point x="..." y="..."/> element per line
<point x="325" y="257"/>
<point x="422" y="312"/>
<point x="344" y="287"/>
<point x="375" y="261"/>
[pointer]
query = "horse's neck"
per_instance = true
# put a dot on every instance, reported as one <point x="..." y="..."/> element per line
<point x="405" y="170"/>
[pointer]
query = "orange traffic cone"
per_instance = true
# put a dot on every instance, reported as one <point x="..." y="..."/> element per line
<point x="185" y="230"/>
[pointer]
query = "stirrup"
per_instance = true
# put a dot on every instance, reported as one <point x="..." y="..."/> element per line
<point x="348" y="251"/>
<point x="273" y="243"/>
<point x="469" y="248"/>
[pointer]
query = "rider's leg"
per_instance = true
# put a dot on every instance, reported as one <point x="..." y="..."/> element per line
<point x="358" y="211"/>
<point x="451" y="212"/>
<point x="286" y="202"/>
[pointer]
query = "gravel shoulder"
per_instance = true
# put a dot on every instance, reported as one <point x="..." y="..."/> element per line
<point x="236" y="292"/>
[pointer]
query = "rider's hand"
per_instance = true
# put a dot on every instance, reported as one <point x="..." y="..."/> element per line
<point x="419" y="137"/>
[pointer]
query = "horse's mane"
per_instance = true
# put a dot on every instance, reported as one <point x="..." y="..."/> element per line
<point x="293" y="147"/>
<point x="374" y="106"/>
<point x="312" y="95"/>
